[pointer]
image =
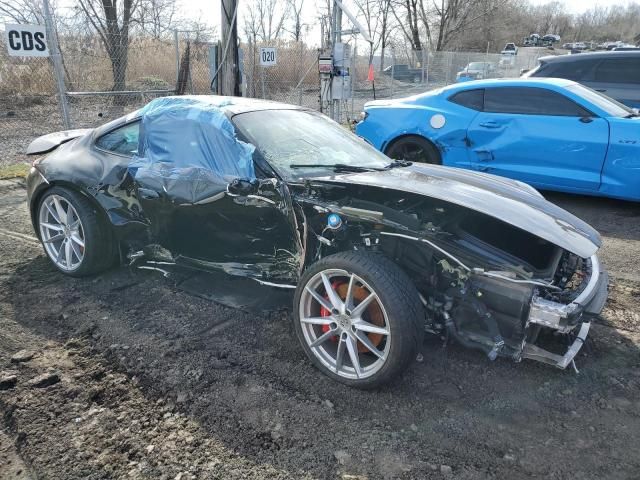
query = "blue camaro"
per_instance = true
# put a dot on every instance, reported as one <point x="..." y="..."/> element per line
<point x="553" y="134"/>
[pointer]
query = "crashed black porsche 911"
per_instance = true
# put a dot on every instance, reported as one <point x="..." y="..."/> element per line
<point x="378" y="251"/>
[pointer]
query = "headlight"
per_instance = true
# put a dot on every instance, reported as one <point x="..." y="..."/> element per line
<point x="363" y="116"/>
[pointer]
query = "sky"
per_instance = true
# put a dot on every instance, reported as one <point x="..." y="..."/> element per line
<point x="579" y="6"/>
<point x="209" y="10"/>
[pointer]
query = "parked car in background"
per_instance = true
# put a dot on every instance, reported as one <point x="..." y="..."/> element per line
<point x="404" y="72"/>
<point x="553" y="134"/>
<point x="510" y="48"/>
<point x="616" y="74"/>
<point x="626" y="48"/>
<point x="476" y="71"/>
<point x="612" y="45"/>
<point x="377" y="252"/>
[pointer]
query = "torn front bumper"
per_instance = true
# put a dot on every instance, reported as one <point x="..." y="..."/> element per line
<point x="565" y="318"/>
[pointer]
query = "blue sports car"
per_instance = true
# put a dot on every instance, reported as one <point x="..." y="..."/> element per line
<point x="550" y="133"/>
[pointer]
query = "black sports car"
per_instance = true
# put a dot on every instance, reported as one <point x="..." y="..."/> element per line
<point x="378" y="250"/>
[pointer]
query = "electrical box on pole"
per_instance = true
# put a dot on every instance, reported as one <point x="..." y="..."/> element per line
<point x="336" y="65"/>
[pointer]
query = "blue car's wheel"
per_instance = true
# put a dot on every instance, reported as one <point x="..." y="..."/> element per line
<point x="414" y="149"/>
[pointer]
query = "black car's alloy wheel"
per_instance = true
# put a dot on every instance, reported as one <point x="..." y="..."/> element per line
<point x="72" y="234"/>
<point x="414" y="149"/>
<point x="358" y="318"/>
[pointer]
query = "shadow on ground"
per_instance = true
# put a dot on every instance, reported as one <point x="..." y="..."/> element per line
<point x="243" y="378"/>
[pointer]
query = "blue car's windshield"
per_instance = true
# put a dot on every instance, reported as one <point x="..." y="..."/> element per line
<point x="298" y="143"/>
<point x="608" y="104"/>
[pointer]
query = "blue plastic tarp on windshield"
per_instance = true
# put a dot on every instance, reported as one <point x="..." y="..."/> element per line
<point x="188" y="149"/>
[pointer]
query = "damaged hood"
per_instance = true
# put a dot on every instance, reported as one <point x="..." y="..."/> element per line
<point x="510" y="201"/>
<point x="46" y="143"/>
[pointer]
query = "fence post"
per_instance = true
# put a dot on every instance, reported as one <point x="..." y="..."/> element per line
<point x="57" y="65"/>
<point x="354" y="77"/>
<point x="301" y="58"/>
<point x="177" y="50"/>
<point x="428" y="55"/>
<point x="393" y="68"/>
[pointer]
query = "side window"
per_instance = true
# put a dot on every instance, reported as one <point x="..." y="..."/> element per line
<point x="576" y="70"/>
<point x="122" y="140"/>
<point x="618" y="70"/>
<point x="531" y="101"/>
<point x="472" y="99"/>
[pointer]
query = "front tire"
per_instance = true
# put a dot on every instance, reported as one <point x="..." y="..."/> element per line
<point x="358" y="318"/>
<point x="74" y="237"/>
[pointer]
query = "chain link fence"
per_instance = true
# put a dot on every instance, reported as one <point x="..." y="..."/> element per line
<point x="28" y="103"/>
<point x="184" y="64"/>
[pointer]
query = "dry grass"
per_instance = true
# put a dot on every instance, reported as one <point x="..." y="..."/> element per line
<point x="16" y="170"/>
<point x="151" y="65"/>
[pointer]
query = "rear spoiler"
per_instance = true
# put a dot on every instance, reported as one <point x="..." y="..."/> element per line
<point x="49" y="142"/>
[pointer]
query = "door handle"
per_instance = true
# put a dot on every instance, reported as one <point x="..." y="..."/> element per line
<point x="601" y="90"/>
<point x="490" y="125"/>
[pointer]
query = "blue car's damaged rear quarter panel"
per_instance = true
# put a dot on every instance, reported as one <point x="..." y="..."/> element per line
<point x="601" y="157"/>
<point x="412" y="116"/>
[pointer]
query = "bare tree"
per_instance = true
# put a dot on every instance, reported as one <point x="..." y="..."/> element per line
<point x="386" y="28"/>
<point x="112" y="20"/>
<point x="157" y="17"/>
<point x="264" y="20"/>
<point x="22" y="11"/>
<point x="406" y="14"/>
<point x="295" y="10"/>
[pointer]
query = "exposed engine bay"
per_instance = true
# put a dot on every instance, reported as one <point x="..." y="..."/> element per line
<point x="484" y="283"/>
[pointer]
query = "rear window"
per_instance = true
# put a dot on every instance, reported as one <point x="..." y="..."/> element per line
<point x="577" y="70"/>
<point x="618" y="70"/>
<point x="472" y="99"/>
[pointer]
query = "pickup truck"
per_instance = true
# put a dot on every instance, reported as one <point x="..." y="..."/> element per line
<point x="404" y="73"/>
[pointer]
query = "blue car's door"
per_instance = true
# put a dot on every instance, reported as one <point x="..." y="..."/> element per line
<point x="540" y="137"/>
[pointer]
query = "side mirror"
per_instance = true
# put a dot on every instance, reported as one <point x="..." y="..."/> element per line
<point x="242" y="187"/>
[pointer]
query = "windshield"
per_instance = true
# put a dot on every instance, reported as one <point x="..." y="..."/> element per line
<point x="608" y="104"/>
<point x="477" y="66"/>
<point x="300" y="138"/>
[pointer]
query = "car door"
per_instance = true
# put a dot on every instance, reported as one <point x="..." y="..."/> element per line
<point x="618" y="78"/>
<point x="538" y="136"/>
<point x="246" y="229"/>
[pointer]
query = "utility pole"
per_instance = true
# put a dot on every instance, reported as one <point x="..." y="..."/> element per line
<point x="230" y="69"/>
<point x="336" y="37"/>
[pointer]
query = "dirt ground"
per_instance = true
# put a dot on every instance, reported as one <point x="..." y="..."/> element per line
<point x="127" y="376"/>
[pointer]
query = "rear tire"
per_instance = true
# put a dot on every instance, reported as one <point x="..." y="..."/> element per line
<point x="362" y="347"/>
<point x="74" y="236"/>
<point x="414" y="149"/>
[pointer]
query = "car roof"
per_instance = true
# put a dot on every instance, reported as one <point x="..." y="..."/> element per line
<point x="580" y="57"/>
<point x="239" y="105"/>
<point x="232" y="105"/>
<point x="509" y="82"/>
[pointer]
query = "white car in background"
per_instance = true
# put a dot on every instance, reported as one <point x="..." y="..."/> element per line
<point x="510" y="49"/>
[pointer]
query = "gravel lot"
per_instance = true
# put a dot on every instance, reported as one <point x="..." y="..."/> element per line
<point x="127" y="376"/>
